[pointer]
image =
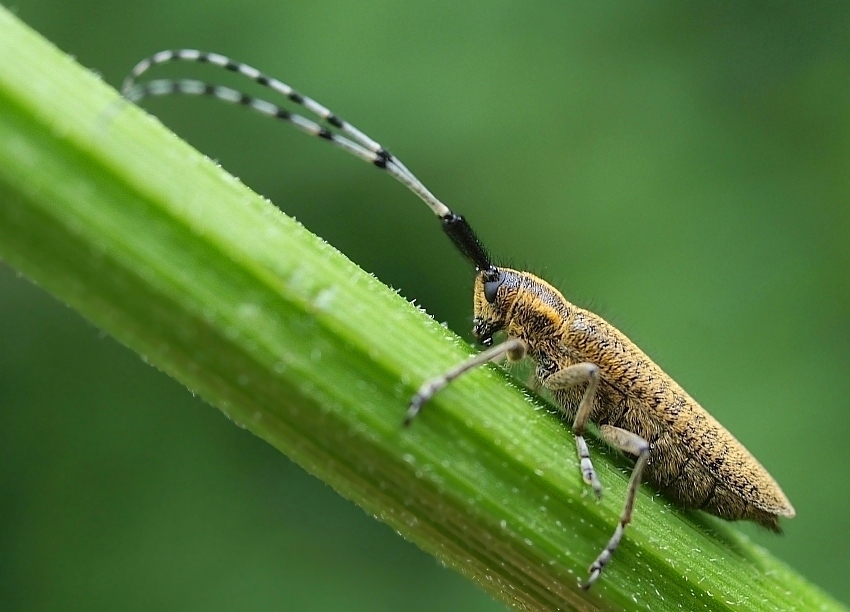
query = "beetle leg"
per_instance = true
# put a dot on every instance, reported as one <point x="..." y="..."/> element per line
<point x="632" y="444"/>
<point x="514" y="348"/>
<point x="569" y="377"/>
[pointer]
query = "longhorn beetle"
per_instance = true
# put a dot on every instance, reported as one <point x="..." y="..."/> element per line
<point x="594" y="372"/>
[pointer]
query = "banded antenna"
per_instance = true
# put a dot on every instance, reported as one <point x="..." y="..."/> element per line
<point x="350" y="139"/>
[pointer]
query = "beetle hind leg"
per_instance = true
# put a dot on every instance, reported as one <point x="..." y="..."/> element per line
<point x="632" y="444"/>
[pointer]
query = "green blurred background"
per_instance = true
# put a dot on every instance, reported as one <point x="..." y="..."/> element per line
<point x="682" y="168"/>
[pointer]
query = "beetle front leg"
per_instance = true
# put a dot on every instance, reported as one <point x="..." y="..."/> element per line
<point x="514" y="348"/>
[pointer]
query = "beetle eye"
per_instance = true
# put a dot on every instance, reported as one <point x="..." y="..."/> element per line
<point x="491" y="287"/>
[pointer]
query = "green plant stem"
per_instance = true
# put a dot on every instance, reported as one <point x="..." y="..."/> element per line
<point x="117" y="217"/>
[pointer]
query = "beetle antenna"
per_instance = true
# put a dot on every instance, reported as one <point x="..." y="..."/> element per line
<point x="340" y="132"/>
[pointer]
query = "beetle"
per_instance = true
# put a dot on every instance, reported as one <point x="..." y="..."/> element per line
<point x="593" y="371"/>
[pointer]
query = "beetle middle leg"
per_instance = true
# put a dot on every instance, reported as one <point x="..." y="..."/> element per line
<point x="566" y="378"/>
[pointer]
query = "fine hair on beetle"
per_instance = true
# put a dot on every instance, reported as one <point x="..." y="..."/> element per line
<point x="593" y="371"/>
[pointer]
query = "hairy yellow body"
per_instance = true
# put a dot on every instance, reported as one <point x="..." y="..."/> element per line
<point x="693" y="459"/>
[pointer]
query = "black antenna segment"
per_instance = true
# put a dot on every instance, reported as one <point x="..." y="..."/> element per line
<point x="340" y="132"/>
